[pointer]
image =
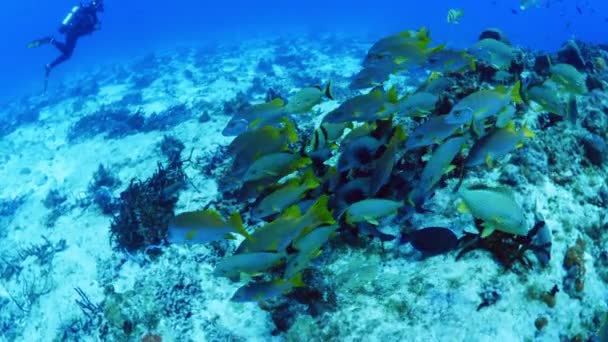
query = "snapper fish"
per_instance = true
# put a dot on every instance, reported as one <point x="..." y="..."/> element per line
<point x="286" y="195"/>
<point x="263" y="140"/>
<point x="496" y="207"/>
<point x="448" y="60"/>
<point x="275" y="165"/>
<point x="374" y="74"/>
<point x="204" y="226"/>
<point x="306" y="98"/>
<point x="405" y="46"/>
<point x="252" y="144"/>
<point x="569" y="78"/>
<point x="279" y="234"/>
<point x="483" y="104"/>
<point x="308" y="247"/>
<point x="258" y="115"/>
<point x="360" y="108"/>
<point x="248" y="263"/>
<point x="418" y="104"/>
<point x="439" y="165"/>
<point x="383" y="166"/>
<point x="264" y="290"/>
<point x="497" y="144"/>
<point x="370" y="210"/>
<point x="547" y="95"/>
<point x="433" y="131"/>
<point x="494" y="53"/>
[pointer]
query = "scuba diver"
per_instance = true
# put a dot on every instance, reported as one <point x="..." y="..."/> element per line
<point x="82" y="20"/>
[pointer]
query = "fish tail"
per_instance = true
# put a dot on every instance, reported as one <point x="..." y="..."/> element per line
<point x="515" y="93"/>
<point x="290" y="130"/>
<point x="297" y="281"/>
<point x="310" y="181"/>
<point x="321" y="212"/>
<point x="391" y="95"/>
<point x="236" y="222"/>
<point x="527" y="132"/>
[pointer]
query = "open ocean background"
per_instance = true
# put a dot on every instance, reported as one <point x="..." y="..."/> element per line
<point x="136" y="27"/>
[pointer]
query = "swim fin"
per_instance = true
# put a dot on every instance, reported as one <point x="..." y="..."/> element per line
<point x="38" y="42"/>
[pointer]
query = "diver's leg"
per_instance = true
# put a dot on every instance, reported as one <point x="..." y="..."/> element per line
<point x="59" y="45"/>
<point x="66" y="49"/>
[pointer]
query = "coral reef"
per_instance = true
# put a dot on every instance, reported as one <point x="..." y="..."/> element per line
<point x="146" y="207"/>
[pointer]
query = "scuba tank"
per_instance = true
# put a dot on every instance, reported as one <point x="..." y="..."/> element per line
<point x="67" y="22"/>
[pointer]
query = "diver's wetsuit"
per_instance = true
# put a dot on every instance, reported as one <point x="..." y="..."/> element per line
<point x="83" y="22"/>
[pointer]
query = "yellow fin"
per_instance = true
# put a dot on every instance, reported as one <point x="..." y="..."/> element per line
<point x="515" y="95"/>
<point x="449" y="169"/>
<point x="400" y="60"/>
<point x="316" y="253"/>
<point x="510" y="127"/>
<point x="277" y="102"/>
<point x="488" y="229"/>
<point x="292" y="212"/>
<point x="527" y="132"/>
<point x="320" y="211"/>
<point x="500" y="89"/>
<point x="489" y="161"/>
<point x="309" y="180"/>
<point x="297" y="281"/>
<point x="391" y="95"/>
<point x="290" y="130"/>
<point x="235" y="221"/>
<point x="255" y="123"/>
<point x="462" y="208"/>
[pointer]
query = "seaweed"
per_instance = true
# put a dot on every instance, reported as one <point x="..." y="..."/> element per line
<point x="171" y="147"/>
<point x="112" y="123"/>
<point x="239" y="103"/>
<point x="54" y="198"/>
<point x="43" y="252"/>
<point x="508" y="249"/>
<point x="146" y="207"/>
<point x="104" y="177"/>
<point x="100" y="188"/>
<point x="56" y="202"/>
<point x="169" y="118"/>
<point x="8" y="207"/>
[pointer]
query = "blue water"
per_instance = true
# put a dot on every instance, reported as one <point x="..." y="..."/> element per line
<point x="136" y="27"/>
